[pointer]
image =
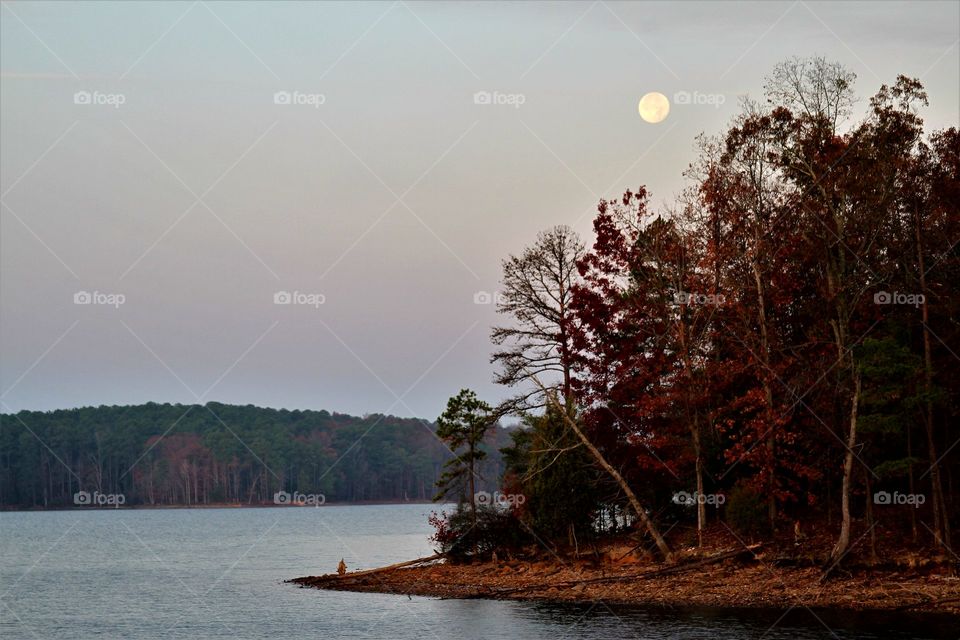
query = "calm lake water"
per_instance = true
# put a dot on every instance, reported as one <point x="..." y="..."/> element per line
<point x="218" y="573"/>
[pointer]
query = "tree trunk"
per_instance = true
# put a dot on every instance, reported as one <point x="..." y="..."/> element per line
<point x="634" y="502"/>
<point x="693" y="420"/>
<point x="701" y="504"/>
<point x="768" y="397"/>
<point x="844" y="541"/>
<point x="941" y="523"/>
<point x="473" y="490"/>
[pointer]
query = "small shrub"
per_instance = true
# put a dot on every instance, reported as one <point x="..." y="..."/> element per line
<point x="496" y="530"/>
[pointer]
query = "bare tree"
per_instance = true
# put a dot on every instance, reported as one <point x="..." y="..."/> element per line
<point x="536" y="294"/>
<point x="814" y="87"/>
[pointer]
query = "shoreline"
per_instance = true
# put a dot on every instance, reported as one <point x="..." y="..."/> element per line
<point x="224" y="505"/>
<point x="732" y="584"/>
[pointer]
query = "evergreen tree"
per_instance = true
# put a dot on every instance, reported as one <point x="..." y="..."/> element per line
<point x="463" y="427"/>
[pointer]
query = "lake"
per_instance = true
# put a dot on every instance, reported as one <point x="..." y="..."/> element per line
<point x="218" y="573"/>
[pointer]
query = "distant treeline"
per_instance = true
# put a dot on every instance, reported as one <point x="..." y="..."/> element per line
<point x="173" y="454"/>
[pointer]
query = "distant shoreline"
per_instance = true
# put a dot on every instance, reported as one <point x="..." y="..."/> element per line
<point x="219" y="505"/>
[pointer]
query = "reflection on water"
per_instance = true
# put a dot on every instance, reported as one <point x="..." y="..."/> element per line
<point x="218" y="573"/>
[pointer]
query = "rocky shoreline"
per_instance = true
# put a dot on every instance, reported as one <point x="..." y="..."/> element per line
<point x="741" y="580"/>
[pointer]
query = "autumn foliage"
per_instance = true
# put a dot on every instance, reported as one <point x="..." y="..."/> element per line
<point x="786" y="330"/>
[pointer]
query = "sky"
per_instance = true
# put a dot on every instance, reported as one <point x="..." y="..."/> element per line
<point x="305" y="205"/>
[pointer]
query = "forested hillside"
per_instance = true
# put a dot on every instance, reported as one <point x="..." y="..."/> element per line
<point x="172" y="454"/>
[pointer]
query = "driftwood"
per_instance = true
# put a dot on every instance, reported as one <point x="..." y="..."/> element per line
<point x="676" y="568"/>
<point x="314" y="580"/>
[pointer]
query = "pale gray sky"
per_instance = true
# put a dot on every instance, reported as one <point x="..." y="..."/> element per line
<point x="145" y="153"/>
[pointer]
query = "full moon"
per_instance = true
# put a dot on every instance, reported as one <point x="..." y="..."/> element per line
<point x="654" y="107"/>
